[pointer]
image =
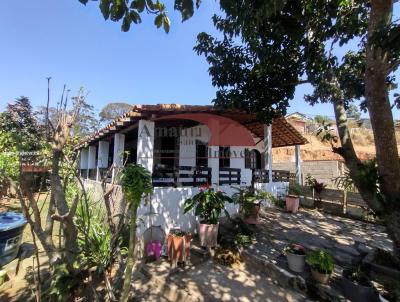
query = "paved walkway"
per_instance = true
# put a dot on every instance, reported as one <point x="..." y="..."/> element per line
<point x="345" y="238"/>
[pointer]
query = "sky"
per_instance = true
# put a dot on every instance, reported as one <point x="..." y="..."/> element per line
<point x="74" y="45"/>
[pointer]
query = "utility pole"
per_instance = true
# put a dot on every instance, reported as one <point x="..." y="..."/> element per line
<point x="47" y="108"/>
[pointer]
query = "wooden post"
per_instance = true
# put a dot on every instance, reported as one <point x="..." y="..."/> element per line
<point x="344" y="202"/>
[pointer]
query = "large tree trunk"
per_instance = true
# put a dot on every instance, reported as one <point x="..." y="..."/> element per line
<point x="350" y="157"/>
<point x="376" y="94"/>
<point x="57" y="192"/>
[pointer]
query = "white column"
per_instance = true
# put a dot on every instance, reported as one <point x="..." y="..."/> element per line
<point x="299" y="176"/>
<point x="145" y="144"/>
<point x="84" y="160"/>
<point x="102" y="157"/>
<point x="118" y="158"/>
<point x="213" y="163"/>
<point x="268" y="150"/>
<point x="92" y="159"/>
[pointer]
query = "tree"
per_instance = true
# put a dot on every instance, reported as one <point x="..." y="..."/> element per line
<point x="265" y="53"/>
<point x="130" y="11"/>
<point x="322" y="119"/>
<point x="136" y="182"/>
<point x="353" y="112"/>
<point x="86" y="120"/>
<point x="111" y="111"/>
<point x="19" y="120"/>
<point x="270" y="44"/>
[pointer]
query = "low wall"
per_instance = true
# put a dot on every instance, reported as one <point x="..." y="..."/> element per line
<point x="323" y="170"/>
<point x="337" y="202"/>
<point x="167" y="202"/>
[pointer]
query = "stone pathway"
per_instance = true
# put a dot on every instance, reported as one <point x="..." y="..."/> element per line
<point x="345" y="238"/>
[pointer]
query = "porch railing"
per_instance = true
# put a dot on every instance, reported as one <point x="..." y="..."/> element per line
<point x="261" y="175"/>
<point x="183" y="176"/>
<point x="229" y="176"/>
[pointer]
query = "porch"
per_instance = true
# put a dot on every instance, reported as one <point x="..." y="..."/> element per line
<point x="185" y="148"/>
<point x="190" y="146"/>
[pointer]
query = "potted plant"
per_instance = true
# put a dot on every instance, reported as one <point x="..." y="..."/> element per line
<point x="250" y="201"/>
<point x="178" y="246"/>
<point x="208" y="205"/>
<point x="292" y="198"/>
<point x="357" y="286"/>
<point x="321" y="263"/>
<point x="296" y="256"/>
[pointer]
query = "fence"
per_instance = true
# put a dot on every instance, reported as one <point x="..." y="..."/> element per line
<point x="261" y="175"/>
<point x="229" y="176"/>
<point x="182" y="176"/>
<point x="339" y="199"/>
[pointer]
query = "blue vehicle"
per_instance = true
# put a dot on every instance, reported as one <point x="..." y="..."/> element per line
<point x="11" y="227"/>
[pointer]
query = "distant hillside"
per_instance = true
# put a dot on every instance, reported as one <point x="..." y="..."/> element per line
<point x="316" y="150"/>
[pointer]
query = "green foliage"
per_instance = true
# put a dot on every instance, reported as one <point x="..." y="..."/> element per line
<point x="321" y="261"/>
<point x="243" y="239"/>
<point x="268" y="48"/>
<point x="280" y="203"/>
<point x="322" y="119"/>
<point x="178" y="233"/>
<point x="94" y="237"/>
<point x="136" y="181"/>
<point x="112" y="111"/>
<point x="9" y="156"/>
<point x="129" y="11"/>
<point x="249" y="196"/>
<point x="19" y="133"/>
<point x="18" y="119"/>
<point x="315" y="184"/>
<point x="208" y="205"/>
<point x="63" y="282"/>
<point x="294" y="189"/>
<point x="366" y="173"/>
<point x="353" y="112"/>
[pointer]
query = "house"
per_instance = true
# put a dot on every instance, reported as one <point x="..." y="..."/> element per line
<point x="299" y="121"/>
<point x="186" y="147"/>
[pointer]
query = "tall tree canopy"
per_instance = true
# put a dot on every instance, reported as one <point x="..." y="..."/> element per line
<point x="18" y="120"/>
<point x="113" y="110"/>
<point x="265" y="53"/>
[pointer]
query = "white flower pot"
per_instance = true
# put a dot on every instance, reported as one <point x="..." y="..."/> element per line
<point x="296" y="262"/>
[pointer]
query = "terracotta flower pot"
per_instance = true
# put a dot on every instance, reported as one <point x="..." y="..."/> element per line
<point x="254" y="216"/>
<point x="296" y="262"/>
<point x="178" y="248"/>
<point x="292" y="203"/>
<point x="208" y="234"/>
<point x="319" y="277"/>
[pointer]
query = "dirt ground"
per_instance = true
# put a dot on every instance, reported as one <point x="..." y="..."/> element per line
<point x="20" y="285"/>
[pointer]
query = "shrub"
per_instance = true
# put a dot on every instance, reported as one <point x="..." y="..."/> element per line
<point x="321" y="261"/>
<point x="208" y="205"/>
<point x="294" y="189"/>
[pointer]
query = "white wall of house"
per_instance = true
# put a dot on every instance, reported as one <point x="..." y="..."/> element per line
<point x="167" y="202"/>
